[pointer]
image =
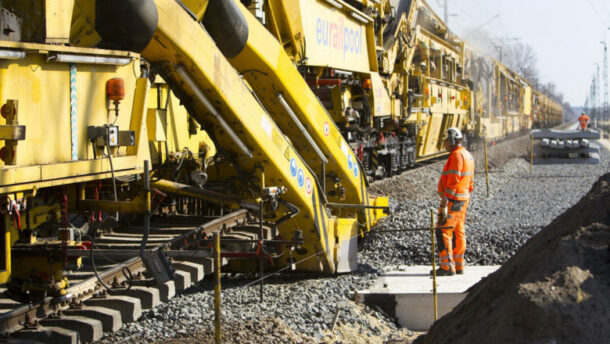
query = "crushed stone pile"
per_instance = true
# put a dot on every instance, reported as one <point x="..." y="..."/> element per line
<point x="251" y="332"/>
<point x="555" y="289"/>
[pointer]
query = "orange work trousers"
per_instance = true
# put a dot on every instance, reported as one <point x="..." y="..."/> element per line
<point x="452" y="241"/>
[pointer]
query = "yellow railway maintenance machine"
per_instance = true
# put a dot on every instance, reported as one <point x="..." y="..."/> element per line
<point x="256" y="155"/>
<point x="72" y="116"/>
<point x="91" y="90"/>
<point x="390" y="79"/>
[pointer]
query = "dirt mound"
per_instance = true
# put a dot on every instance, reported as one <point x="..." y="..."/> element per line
<point x="555" y="289"/>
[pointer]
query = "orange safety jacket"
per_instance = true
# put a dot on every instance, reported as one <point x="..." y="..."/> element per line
<point x="458" y="175"/>
<point x="583" y="120"/>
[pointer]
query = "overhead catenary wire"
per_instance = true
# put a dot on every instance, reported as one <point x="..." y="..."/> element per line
<point x="603" y="2"/>
<point x="599" y="16"/>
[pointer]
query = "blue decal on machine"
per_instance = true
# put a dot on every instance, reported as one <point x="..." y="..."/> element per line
<point x="300" y="177"/>
<point x="293" y="167"/>
<point x="356" y="171"/>
<point x="349" y="162"/>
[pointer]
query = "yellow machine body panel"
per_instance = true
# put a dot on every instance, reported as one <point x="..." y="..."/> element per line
<point x="382" y="103"/>
<point x="526" y="121"/>
<point x="195" y="65"/>
<point x="334" y="39"/>
<point x="276" y="71"/>
<point x="56" y="149"/>
<point x="170" y="127"/>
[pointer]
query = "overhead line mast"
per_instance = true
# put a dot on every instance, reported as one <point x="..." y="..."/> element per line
<point x="605" y="66"/>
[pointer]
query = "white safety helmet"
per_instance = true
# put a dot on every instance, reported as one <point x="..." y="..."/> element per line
<point x="453" y="135"/>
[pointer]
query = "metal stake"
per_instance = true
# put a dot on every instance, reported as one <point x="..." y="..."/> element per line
<point x="335" y="318"/>
<point x="261" y="260"/>
<point x="148" y="209"/>
<point x="217" y="300"/>
<point x="433" y="262"/>
<point x="486" y="166"/>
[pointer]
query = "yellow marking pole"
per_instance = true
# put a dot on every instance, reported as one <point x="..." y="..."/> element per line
<point x="531" y="152"/>
<point x="433" y="262"/>
<point x="261" y="235"/>
<point x="486" y="166"/>
<point x="217" y="301"/>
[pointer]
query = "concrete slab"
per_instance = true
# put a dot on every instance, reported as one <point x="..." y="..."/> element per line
<point x="129" y="307"/>
<point x="110" y="318"/>
<point x="593" y="148"/>
<point x="407" y="295"/>
<point x="55" y="335"/>
<point x="149" y="297"/>
<point x="196" y="270"/>
<point x="593" y="159"/>
<point x="565" y="134"/>
<point x="182" y="279"/>
<point x="89" y="330"/>
<point x="167" y="290"/>
<point x="7" y="304"/>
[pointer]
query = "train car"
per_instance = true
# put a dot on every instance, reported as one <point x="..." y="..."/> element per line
<point x="391" y="80"/>
<point x="394" y="78"/>
<point x="547" y="113"/>
<point x="502" y="99"/>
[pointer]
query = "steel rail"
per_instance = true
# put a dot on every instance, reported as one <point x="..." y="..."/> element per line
<point x="25" y="315"/>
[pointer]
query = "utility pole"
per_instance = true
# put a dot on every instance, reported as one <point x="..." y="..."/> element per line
<point x="590" y="103"/>
<point x="498" y="48"/>
<point x="446" y="13"/>
<point x="585" y="108"/>
<point x="605" y="75"/>
<point x="597" y="92"/>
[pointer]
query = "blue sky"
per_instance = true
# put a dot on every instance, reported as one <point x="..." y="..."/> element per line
<point x="565" y="34"/>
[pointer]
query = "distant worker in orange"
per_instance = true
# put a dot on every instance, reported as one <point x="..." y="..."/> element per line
<point x="584" y="120"/>
<point x="454" y="187"/>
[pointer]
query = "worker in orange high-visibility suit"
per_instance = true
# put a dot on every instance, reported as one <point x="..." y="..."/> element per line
<point x="584" y="120"/>
<point x="454" y="188"/>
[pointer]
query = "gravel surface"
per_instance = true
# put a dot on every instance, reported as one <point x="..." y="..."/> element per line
<point x="519" y="205"/>
<point x="300" y="308"/>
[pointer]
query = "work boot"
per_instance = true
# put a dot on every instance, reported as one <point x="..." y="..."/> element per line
<point x="442" y="272"/>
<point x="459" y="272"/>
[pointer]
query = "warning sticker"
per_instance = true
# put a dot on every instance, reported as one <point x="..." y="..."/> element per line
<point x="300" y="177"/>
<point x="344" y="147"/>
<point x="266" y="125"/>
<point x="308" y="186"/>
<point x="326" y="129"/>
<point x="293" y="167"/>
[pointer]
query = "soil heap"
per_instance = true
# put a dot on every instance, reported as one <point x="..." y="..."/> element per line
<point x="555" y="289"/>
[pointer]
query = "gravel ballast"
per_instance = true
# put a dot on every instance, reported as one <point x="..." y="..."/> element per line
<point x="301" y="308"/>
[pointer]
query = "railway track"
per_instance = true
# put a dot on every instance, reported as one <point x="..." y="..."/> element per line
<point x="89" y="308"/>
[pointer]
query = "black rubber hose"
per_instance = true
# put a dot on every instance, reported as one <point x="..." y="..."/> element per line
<point x="227" y="26"/>
<point x="126" y="24"/>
